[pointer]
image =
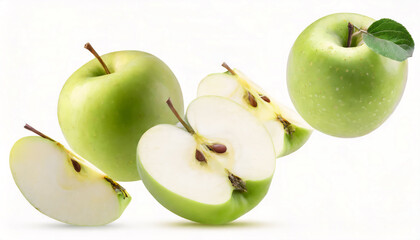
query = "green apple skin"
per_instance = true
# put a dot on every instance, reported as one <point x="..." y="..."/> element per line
<point x="103" y="116"/>
<point x="343" y="92"/>
<point x="294" y="141"/>
<point x="239" y="204"/>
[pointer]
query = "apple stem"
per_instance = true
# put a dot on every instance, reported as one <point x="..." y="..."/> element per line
<point x="92" y="50"/>
<point x="349" y="38"/>
<point x="186" y="126"/>
<point x="228" y="68"/>
<point x="28" y="127"/>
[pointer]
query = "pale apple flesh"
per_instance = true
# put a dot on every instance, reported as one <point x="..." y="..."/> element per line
<point x="342" y="91"/>
<point x="224" y="186"/>
<point x="63" y="186"/>
<point x="287" y="129"/>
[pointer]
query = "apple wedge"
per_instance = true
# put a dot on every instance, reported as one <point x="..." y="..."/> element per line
<point x="216" y="169"/>
<point x="63" y="186"/>
<point x="287" y="129"/>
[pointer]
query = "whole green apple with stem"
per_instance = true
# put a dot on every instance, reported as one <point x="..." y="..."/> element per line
<point x="215" y="169"/>
<point x="338" y="84"/>
<point x="62" y="185"/>
<point x="106" y="106"/>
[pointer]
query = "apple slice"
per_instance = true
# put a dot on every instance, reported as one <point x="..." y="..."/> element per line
<point x="287" y="129"/>
<point x="63" y="186"/>
<point x="216" y="169"/>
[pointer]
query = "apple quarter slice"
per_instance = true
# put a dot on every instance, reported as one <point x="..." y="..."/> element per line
<point x="216" y="169"/>
<point x="63" y="186"/>
<point x="287" y="129"/>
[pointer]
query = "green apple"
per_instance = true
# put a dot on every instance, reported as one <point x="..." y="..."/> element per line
<point x="339" y="90"/>
<point x="216" y="169"/>
<point x="103" y="116"/>
<point x="62" y="185"/>
<point x="287" y="129"/>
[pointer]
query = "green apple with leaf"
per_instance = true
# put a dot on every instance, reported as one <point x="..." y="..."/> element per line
<point x="346" y="72"/>
<point x="215" y="169"/>
<point x="107" y="104"/>
<point x="62" y="185"/>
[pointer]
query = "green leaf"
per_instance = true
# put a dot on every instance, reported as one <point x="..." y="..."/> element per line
<point x="390" y="39"/>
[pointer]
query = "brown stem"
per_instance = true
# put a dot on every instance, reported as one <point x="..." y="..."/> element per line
<point x="186" y="126"/>
<point x="228" y="68"/>
<point x="90" y="48"/>
<point x="28" y="127"/>
<point x="350" y="36"/>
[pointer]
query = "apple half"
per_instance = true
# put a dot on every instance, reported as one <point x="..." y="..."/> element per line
<point x="215" y="169"/>
<point x="287" y="129"/>
<point x="63" y="186"/>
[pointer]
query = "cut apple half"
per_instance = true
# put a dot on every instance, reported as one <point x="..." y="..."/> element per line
<point x="63" y="186"/>
<point x="215" y="169"/>
<point x="287" y="129"/>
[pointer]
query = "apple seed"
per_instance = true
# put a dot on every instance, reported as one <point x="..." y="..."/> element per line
<point x="199" y="156"/>
<point x="76" y="165"/>
<point x="265" y="98"/>
<point x="252" y="100"/>
<point x="217" y="147"/>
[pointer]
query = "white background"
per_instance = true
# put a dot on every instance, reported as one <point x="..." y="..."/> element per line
<point x="332" y="188"/>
